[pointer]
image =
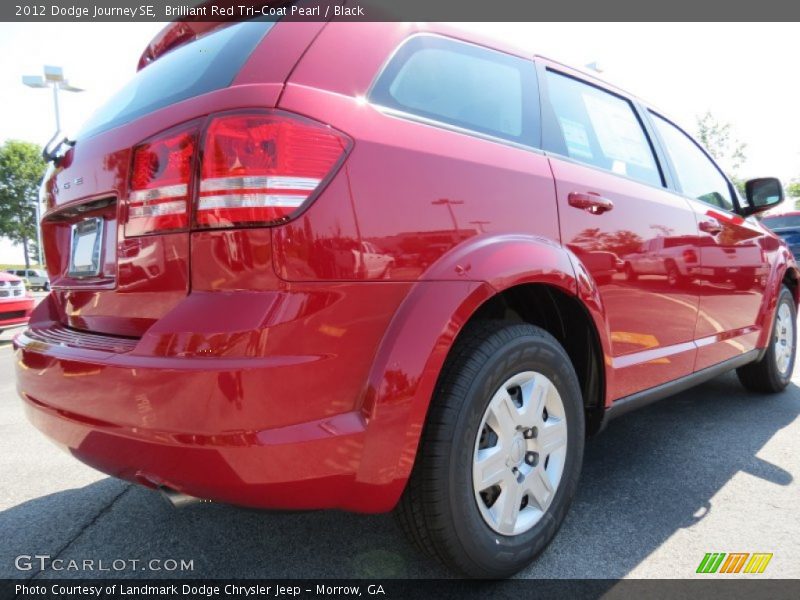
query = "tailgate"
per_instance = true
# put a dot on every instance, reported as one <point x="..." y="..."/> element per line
<point x="108" y="276"/>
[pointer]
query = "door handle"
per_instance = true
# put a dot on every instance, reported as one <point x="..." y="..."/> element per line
<point x="711" y="226"/>
<point x="590" y="202"/>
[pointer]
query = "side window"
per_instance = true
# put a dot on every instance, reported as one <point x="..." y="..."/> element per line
<point x="601" y="129"/>
<point x="464" y="85"/>
<point x="697" y="175"/>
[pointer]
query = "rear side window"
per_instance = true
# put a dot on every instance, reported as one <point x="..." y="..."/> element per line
<point x="600" y="129"/>
<point x="460" y="84"/>
<point x="202" y="66"/>
<point x="697" y="175"/>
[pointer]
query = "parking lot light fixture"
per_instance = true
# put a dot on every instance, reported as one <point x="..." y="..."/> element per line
<point x="53" y="77"/>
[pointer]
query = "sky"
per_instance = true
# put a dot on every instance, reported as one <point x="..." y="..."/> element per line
<point x="742" y="72"/>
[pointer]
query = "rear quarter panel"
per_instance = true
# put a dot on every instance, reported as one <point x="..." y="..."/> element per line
<point x="413" y="191"/>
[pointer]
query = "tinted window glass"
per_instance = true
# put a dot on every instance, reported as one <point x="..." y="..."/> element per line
<point x="697" y="175"/>
<point x="464" y="85"/>
<point x="601" y="129"/>
<point x="778" y="222"/>
<point x="207" y="64"/>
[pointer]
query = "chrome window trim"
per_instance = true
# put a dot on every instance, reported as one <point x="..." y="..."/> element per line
<point x="575" y="161"/>
<point x="407" y="116"/>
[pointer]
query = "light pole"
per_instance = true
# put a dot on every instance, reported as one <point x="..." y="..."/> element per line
<point x="53" y="77"/>
<point x="480" y="225"/>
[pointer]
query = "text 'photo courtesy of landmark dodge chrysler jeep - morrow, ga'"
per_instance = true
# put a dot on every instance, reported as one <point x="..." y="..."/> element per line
<point x="386" y="266"/>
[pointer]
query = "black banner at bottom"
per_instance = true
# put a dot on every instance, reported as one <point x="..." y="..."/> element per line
<point x="138" y="589"/>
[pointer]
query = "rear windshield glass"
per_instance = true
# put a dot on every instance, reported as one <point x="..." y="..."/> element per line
<point x="202" y="66"/>
<point x="782" y="221"/>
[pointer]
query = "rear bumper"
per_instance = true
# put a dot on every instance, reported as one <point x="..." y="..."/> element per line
<point x="248" y="427"/>
<point x="16" y="312"/>
<point x="308" y="466"/>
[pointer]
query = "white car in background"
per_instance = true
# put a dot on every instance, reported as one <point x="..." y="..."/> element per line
<point x="36" y="278"/>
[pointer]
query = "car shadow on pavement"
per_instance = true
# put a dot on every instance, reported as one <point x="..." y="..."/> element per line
<point x="649" y="474"/>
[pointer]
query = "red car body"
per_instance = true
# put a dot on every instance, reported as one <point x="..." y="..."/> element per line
<point x="261" y="365"/>
<point x="15" y="303"/>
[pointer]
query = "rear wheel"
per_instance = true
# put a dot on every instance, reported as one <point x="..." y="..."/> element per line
<point x="673" y="275"/>
<point x="774" y="371"/>
<point x="501" y="452"/>
<point x="630" y="274"/>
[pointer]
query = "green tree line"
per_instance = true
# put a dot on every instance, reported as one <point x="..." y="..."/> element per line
<point x="21" y="172"/>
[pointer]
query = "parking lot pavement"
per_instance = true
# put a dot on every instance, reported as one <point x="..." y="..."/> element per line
<point x="714" y="469"/>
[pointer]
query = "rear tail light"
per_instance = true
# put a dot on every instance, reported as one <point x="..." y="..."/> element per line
<point x="261" y="169"/>
<point x="161" y="177"/>
<point x="257" y="169"/>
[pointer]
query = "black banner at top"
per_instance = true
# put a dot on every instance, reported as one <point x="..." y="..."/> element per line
<point x="397" y="10"/>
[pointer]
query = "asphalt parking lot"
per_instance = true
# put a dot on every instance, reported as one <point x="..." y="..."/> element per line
<point x="714" y="469"/>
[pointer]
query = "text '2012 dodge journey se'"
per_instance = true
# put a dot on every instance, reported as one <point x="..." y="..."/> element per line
<point x="367" y="266"/>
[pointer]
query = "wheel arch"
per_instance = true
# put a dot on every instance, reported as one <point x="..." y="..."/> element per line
<point x="520" y="278"/>
<point x="784" y="272"/>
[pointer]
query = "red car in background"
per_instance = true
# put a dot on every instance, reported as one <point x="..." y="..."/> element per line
<point x="377" y="266"/>
<point x="15" y="303"/>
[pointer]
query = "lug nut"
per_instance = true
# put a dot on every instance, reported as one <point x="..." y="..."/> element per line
<point x="530" y="433"/>
<point x="532" y="458"/>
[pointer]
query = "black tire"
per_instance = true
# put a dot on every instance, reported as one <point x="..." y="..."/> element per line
<point x="630" y="274"/>
<point x="439" y="511"/>
<point x="674" y="277"/>
<point x="764" y="376"/>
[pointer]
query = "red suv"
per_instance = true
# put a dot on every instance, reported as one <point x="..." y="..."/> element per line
<point x="376" y="266"/>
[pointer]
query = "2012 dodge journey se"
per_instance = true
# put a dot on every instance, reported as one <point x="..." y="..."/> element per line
<point x="382" y="266"/>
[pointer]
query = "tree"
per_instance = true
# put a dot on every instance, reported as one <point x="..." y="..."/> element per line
<point x="793" y="192"/>
<point x="21" y="171"/>
<point x="717" y="138"/>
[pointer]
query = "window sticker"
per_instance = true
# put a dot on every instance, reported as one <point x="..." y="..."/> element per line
<point x="576" y="139"/>
<point x="619" y="167"/>
<point x="618" y="132"/>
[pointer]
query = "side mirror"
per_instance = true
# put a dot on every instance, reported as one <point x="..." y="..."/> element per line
<point x="761" y="195"/>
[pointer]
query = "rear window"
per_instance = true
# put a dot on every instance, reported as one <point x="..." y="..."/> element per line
<point x="202" y="66"/>
<point x="460" y="84"/>
<point x="782" y="221"/>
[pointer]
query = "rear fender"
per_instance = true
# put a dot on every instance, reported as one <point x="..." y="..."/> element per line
<point x="416" y="344"/>
<point x="784" y="263"/>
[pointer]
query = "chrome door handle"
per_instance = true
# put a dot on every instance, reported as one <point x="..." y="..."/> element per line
<point x="590" y="202"/>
